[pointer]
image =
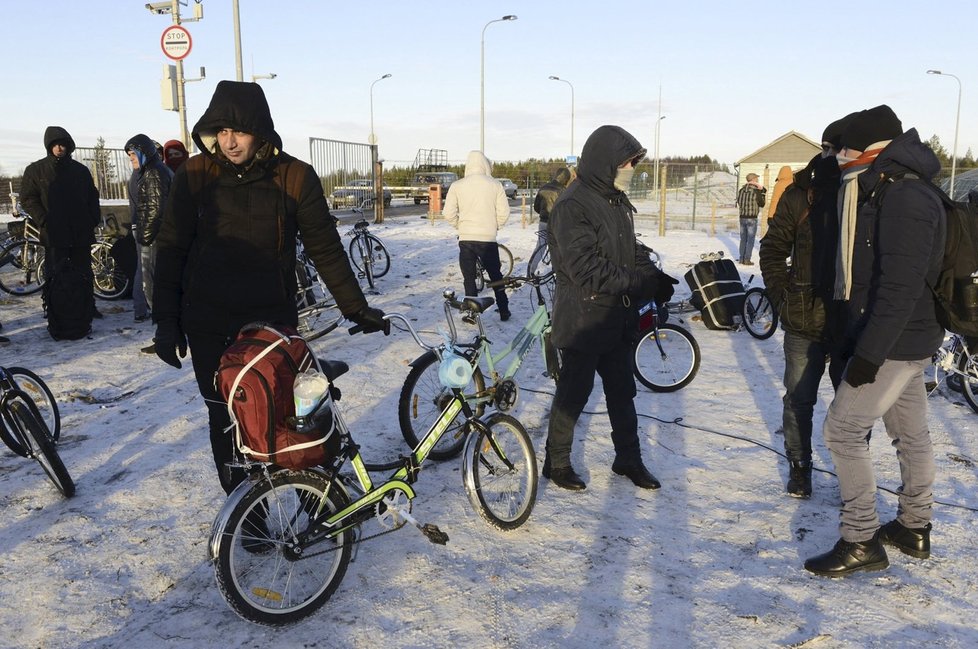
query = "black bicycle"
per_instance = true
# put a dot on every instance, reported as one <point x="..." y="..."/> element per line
<point x="30" y="423"/>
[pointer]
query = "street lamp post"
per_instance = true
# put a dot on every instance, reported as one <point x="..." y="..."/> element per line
<point x="373" y="138"/>
<point x="256" y="77"/>
<point x="957" y="120"/>
<point x="655" y="181"/>
<point x="482" y="82"/>
<point x="554" y="78"/>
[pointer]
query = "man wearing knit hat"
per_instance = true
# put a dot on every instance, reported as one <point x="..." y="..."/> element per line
<point x="891" y="245"/>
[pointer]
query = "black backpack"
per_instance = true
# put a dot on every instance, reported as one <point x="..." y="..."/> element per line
<point x="69" y="302"/>
<point x="956" y="289"/>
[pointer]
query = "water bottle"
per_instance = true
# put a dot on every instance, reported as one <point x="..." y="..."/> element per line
<point x="309" y="388"/>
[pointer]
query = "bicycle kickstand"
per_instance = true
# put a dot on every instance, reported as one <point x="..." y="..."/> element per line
<point x="431" y="532"/>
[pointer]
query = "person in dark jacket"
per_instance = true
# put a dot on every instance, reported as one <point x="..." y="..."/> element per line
<point x="149" y="186"/>
<point x="797" y="260"/>
<point x="750" y="200"/>
<point x="602" y="276"/>
<point x="62" y="199"/>
<point x="174" y="154"/>
<point x="891" y="246"/>
<point x="226" y="250"/>
<point x="543" y="204"/>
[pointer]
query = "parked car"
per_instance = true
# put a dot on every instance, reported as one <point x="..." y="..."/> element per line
<point x="424" y="179"/>
<point x="509" y="187"/>
<point x="356" y="192"/>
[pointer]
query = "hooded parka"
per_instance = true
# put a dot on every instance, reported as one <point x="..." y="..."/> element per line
<point x="148" y="188"/>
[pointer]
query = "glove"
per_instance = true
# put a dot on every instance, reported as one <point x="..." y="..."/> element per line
<point x="642" y="285"/>
<point x="859" y="371"/>
<point x="168" y="341"/>
<point x="370" y="320"/>
<point x="666" y="287"/>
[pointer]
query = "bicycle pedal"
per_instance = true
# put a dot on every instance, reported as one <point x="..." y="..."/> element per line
<point x="433" y="534"/>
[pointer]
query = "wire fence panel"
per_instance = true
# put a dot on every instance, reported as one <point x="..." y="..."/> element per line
<point x="337" y="162"/>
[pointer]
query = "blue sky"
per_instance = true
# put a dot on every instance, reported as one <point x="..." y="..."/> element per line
<point x="734" y="76"/>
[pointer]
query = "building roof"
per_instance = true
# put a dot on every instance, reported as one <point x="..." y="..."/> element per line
<point x="790" y="147"/>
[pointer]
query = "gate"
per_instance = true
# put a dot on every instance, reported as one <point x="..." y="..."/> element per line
<point x="337" y="163"/>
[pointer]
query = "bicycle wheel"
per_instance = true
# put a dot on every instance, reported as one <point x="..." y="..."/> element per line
<point x="360" y="256"/>
<point x="505" y="260"/>
<point x="422" y="400"/>
<point x="968" y="365"/>
<point x="480" y="276"/>
<point x="666" y="358"/>
<point x="500" y="471"/>
<point x="111" y="281"/>
<point x="539" y="264"/>
<point x="261" y="573"/>
<point x="760" y="318"/>
<point x="42" y="397"/>
<point x="22" y="267"/>
<point x="41" y="446"/>
<point x="379" y="256"/>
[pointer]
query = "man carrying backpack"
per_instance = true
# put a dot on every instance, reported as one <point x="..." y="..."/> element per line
<point x="891" y="247"/>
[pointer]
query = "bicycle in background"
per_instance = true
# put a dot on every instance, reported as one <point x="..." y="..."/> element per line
<point x="367" y="252"/>
<point x="505" y="267"/>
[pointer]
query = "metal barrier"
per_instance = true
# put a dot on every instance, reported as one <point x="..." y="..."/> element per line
<point x="110" y="169"/>
<point x="337" y="163"/>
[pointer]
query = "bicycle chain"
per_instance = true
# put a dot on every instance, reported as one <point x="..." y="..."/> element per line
<point x="358" y="542"/>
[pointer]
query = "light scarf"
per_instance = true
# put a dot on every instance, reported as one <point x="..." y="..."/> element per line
<point x="848" y="208"/>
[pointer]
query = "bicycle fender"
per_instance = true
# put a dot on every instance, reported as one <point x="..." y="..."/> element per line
<point x="423" y="358"/>
<point x="221" y="522"/>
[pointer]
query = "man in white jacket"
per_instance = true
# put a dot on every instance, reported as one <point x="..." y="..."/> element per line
<point x="476" y="205"/>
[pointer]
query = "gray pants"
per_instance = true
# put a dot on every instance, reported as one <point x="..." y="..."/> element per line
<point x="898" y="396"/>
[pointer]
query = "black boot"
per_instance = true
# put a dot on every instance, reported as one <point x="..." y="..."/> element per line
<point x="563" y="476"/>
<point x="638" y="474"/>
<point x="914" y="541"/>
<point x="849" y="557"/>
<point x="800" y="480"/>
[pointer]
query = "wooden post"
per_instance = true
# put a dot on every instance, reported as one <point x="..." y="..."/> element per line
<point x="662" y="201"/>
<point x="713" y="219"/>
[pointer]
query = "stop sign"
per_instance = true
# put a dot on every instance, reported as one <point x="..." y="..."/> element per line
<point x="176" y="42"/>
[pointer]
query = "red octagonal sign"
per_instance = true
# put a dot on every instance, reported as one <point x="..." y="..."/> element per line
<point x="176" y="42"/>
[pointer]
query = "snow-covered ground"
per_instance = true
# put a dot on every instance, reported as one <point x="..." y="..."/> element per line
<point x="713" y="559"/>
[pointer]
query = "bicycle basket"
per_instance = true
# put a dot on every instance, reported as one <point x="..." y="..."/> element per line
<point x="16" y="229"/>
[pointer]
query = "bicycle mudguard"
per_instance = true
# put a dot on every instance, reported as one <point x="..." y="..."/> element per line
<point x="221" y="522"/>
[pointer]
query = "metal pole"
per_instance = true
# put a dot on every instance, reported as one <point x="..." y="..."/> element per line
<point x="656" y="164"/>
<point x="957" y="121"/>
<point x="237" y="43"/>
<point x="482" y="82"/>
<point x="181" y="95"/>
<point x="373" y="138"/>
<point x="555" y="78"/>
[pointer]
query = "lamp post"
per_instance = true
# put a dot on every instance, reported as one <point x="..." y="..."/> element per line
<point x="256" y="77"/>
<point x="373" y="138"/>
<point x="482" y="82"/>
<point x="957" y="120"/>
<point x="554" y="78"/>
<point x="655" y="181"/>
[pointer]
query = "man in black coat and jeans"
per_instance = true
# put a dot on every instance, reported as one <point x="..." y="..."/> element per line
<point x="602" y="277"/>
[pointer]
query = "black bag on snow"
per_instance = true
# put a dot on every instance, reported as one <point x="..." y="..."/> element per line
<point x="124" y="253"/>
<point x="69" y="302"/>
<point x="717" y="292"/>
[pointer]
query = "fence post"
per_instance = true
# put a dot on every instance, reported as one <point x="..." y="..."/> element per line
<point x="713" y="218"/>
<point x="378" y="186"/>
<point x="662" y="202"/>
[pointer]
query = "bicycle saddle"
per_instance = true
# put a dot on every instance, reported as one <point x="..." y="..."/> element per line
<point x="334" y="369"/>
<point x="477" y="304"/>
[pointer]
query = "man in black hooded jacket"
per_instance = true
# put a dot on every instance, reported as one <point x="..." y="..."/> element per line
<point x="226" y="249"/>
<point x="602" y="277"/>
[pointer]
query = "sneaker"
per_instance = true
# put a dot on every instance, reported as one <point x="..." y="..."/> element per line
<point x="151" y="349"/>
<point x="800" y="480"/>
<point x="914" y="541"/>
<point x="848" y="557"/>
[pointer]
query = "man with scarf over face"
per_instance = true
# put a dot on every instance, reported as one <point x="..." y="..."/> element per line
<point x="805" y="230"/>
<point x="891" y="245"/>
<point x="602" y="278"/>
<point x="226" y="248"/>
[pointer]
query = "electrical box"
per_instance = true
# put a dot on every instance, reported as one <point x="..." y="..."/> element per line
<point x="168" y="87"/>
<point x="198" y="11"/>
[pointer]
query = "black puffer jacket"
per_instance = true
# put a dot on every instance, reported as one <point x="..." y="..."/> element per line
<point x="899" y="246"/>
<point x="593" y="249"/>
<point x="805" y="228"/>
<point x="61" y="196"/>
<point x="226" y="252"/>
<point x="148" y="188"/>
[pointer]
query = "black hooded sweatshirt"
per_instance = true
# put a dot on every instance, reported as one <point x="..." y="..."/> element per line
<point x="594" y="251"/>
<point x="226" y="251"/>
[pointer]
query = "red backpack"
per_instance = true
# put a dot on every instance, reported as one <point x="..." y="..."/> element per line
<point x="259" y="369"/>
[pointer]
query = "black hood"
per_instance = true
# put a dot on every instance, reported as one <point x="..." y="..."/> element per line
<point x="145" y="146"/>
<point x="605" y="150"/>
<point x="54" y="134"/>
<point x="240" y="106"/>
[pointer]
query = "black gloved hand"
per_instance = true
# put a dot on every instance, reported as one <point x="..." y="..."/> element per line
<point x="370" y="320"/>
<point x="168" y="341"/>
<point x="859" y="371"/>
<point x="665" y="289"/>
<point x="642" y="285"/>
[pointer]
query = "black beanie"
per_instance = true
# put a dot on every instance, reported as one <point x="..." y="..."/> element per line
<point x="869" y="126"/>
<point x="833" y="132"/>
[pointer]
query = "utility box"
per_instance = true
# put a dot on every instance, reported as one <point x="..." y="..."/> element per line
<point x="168" y="87"/>
<point x="434" y="198"/>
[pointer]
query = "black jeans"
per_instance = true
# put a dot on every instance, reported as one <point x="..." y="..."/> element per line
<point x="205" y="353"/>
<point x="488" y="253"/>
<point x="573" y="390"/>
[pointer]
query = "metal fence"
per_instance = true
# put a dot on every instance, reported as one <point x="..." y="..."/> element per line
<point x="337" y="162"/>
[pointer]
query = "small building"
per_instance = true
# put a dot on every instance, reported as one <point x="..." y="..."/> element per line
<point x="791" y="149"/>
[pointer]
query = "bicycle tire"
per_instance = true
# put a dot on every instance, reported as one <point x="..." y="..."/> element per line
<point x="539" y="264"/>
<point x="22" y="267"/>
<point x="500" y="471"/>
<point x="111" y="281"/>
<point x="255" y="569"/>
<point x="422" y="400"/>
<point x="760" y="316"/>
<point x="360" y="255"/>
<point x="36" y="436"/>
<point x="41" y="395"/>
<point x="380" y="257"/>
<point x="666" y="358"/>
<point x="505" y="267"/>
<point x="968" y="365"/>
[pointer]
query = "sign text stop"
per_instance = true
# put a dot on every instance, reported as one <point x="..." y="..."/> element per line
<point x="176" y="42"/>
